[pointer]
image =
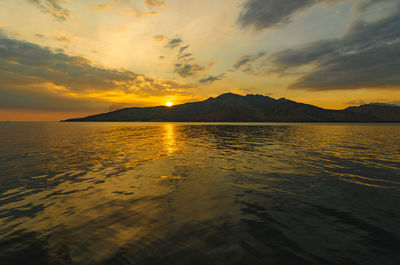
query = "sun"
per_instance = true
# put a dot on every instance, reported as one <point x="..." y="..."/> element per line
<point x="169" y="104"/>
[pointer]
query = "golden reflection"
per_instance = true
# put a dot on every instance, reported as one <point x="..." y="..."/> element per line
<point x="171" y="177"/>
<point x="364" y="183"/>
<point x="169" y="138"/>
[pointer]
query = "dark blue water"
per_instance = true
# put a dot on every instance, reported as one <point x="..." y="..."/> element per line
<point x="165" y="193"/>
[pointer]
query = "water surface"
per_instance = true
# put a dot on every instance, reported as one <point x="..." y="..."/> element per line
<point x="173" y="193"/>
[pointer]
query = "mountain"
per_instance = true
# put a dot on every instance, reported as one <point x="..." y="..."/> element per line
<point x="250" y="108"/>
<point x="380" y="111"/>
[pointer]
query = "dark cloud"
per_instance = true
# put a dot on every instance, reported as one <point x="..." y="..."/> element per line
<point x="270" y="13"/>
<point x="246" y="62"/>
<point x="185" y="55"/>
<point x="366" y="57"/>
<point x="211" y="79"/>
<point x="183" y="65"/>
<point x="264" y="14"/>
<point x="173" y="43"/>
<point x="41" y="36"/>
<point x="183" y="48"/>
<point x="247" y="59"/>
<point x="35" y="64"/>
<point x="37" y="97"/>
<point x="52" y="7"/>
<point x="189" y="69"/>
<point x="363" y="5"/>
<point x="29" y="71"/>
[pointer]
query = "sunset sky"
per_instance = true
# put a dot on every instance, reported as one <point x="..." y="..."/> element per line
<point x="66" y="58"/>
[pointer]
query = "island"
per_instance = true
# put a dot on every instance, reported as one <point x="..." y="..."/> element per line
<point x="231" y="107"/>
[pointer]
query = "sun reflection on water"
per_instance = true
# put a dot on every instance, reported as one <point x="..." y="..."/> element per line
<point x="170" y="138"/>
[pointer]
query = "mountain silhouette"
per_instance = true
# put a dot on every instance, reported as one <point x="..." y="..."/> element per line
<point x="250" y="108"/>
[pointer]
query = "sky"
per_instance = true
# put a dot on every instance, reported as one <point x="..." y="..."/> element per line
<point x="62" y="59"/>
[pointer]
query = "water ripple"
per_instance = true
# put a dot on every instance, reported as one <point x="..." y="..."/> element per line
<point x="121" y="193"/>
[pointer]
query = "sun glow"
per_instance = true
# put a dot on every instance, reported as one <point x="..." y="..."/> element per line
<point x="169" y="104"/>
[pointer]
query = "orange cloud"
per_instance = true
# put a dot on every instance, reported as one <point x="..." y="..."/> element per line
<point x="160" y="38"/>
<point x="63" y="39"/>
<point x="32" y="76"/>
<point x="154" y="3"/>
<point x="126" y="11"/>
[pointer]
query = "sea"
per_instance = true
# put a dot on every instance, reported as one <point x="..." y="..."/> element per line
<point x="199" y="193"/>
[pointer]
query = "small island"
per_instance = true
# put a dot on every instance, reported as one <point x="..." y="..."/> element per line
<point x="231" y="107"/>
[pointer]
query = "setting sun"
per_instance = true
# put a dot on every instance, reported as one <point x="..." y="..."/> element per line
<point x="169" y="104"/>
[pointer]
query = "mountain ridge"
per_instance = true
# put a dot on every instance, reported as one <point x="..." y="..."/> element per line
<point x="230" y="107"/>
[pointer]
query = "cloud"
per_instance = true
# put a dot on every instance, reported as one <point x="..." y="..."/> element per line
<point x="160" y="38"/>
<point x="183" y="65"/>
<point x="127" y="11"/>
<point x="367" y="56"/>
<point x="102" y="7"/>
<point x="182" y="49"/>
<point x="173" y="43"/>
<point x="364" y="5"/>
<point x="246" y="62"/>
<point x="267" y="14"/>
<point x="189" y="69"/>
<point x="63" y="39"/>
<point x="211" y="79"/>
<point x="263" y="14"/>
<point x="52" y="7"/>
<point x="41" y="98"/>
<point x="31" y="71"/>
<point x="185" y="55"/>
<point x="154" y="3"/>
<point x="125" y="7"/>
